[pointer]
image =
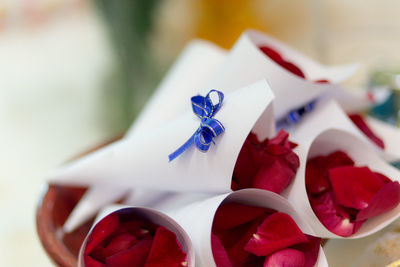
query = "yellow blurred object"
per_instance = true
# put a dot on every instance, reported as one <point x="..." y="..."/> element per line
<point x="394" y="264"/>
<point x="222" y="21"/>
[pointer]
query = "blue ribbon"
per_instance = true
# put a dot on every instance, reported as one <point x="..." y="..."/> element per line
<point x="209" y="128"/>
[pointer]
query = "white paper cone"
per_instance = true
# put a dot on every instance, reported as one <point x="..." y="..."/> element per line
<point x="246" y="63"/>
<point x="390" y="136"/>
<point x="197" y="219"/>
<point x="321" y="133"/>
<point x="143" y="162"/>
<point x="153" y="216"/>
<point x="198" y="61"/>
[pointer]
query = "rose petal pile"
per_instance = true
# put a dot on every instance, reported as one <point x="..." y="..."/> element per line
<point x="358" y="120"/>
<point x="269" y="165"/>
<point x="289" y="66"/>
<point x="253" y="236"/>
<point x="124" y="240"/>
<point x="344" y="196"/>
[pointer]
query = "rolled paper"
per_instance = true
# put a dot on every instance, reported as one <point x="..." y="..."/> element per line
<point x="322" y="133"/>
<point x="133" y="235"/>
<point x="246" y="63"/>
<point x="390" y="136"/>
<point x="142" y="162"/>
<point x="197" y="219"/>
<point x="197" y="62"/>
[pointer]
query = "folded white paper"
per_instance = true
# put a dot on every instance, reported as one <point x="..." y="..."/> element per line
<point x="390" y="136"/>
<point x="197" y="219"/>
<point x="153" y="216"/>
<point x="246" y="63"/>
<point x="143" y="161"/>
<point x="323" y="132"/>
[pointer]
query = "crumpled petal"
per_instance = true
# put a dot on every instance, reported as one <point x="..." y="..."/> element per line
<point x="354" y="187"/>
<point x="386" y="199"/>
<point x="363" y="126"/>
<point x="276" y="232"/>
<point x="135" y="256"/>
<point x="269" y="165"/>
<point x="165" y="250"/>
<point x="331" y="216"/>
<point x="220" y="255"/>
<point x="233" y="214"/>
<point x="287" y="257"/>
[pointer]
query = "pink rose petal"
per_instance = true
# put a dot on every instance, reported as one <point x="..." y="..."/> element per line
<point x="387" y="198"/>
<point x="310" y="250"/>
<point x="287" y="257"/>
<point x="276" y="232"/>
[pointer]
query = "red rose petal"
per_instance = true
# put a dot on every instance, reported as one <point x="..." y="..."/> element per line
<point x="101" y="231"/>
<point x="287" y="257"/>
<point x="322" y="81"/>
<point x="276" y="232"/>
<point x="363" y="126"/>
<point x="310" y="250"/>
<point x="119" y="243"/>
<point x="282" y="138"/>
<point x="165" y="251"/>
<point x="354" y="187"/>
<point x="90" y="262"/>
<point x="316" y="176"/>
<point x="138" y="228"/>
<point x="232" y="214"/>
<point x="274" y="55"/>
<point x="292" y="68"/>
<point x="317" y="170"/>
<point x="383" y="178"/>
<point x="331" y="216"/>
<point x="220" y="255"/>
<point x="274" y="176"/>
<point x="387" y="198"/>
<point x="135" y="256"/>
<point x="237" y="253"/>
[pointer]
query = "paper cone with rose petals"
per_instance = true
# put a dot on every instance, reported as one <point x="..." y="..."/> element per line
<point x="322" y="132"/>
<point x="197" y="219"/>
<point x="150" y="215"/>
<point x="192" y="68"/>
<point x="246" y="63"/>
<point x="143" y="161"/>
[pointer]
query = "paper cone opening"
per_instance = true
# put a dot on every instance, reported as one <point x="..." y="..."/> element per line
<point x="197" y="219"/>
<point x="329" y="141"/>
<point x="152" y="216"/>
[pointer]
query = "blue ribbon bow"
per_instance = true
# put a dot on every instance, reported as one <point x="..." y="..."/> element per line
<point x="209" y="128"/>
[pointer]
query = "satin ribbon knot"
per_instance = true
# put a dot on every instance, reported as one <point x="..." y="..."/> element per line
<point x="204" y="108"/>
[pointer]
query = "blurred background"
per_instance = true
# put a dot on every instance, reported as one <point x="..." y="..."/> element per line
<point x="74" y="73"/>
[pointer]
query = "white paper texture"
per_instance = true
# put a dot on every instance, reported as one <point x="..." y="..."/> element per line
<point x="246" y="63"/>
<point x="390" y="136"/>
<point x="156" y="217"/>
<point x="323" y="132"/>
<point x="143" y="162"/>
<point x="197" y="219"/>
<point x="198" y="61"/>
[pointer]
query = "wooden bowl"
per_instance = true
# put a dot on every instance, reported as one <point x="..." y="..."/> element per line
<point x="53" y="210"/>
